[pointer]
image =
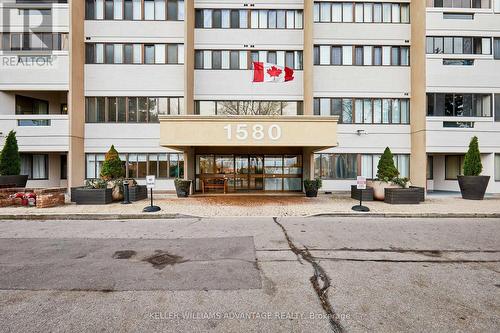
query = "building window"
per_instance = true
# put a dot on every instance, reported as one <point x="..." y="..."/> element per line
<point x="459" y="105"/>
<point x="336" y="166"/>
<point x="28" y="105"/>
<point x="209" y="108"/>
<point x="39" y="41"/>
<point x="243" y="19"/>
<point x="131" y="109"/>
<point x="496" y="47"/>
<point x="454" y="166"/>
<point x="365" y="110"/>
<point x="497" y="107"/>
<point x="159" y="10"/>
<point x="430" y="167"/>
<point x="361" y="55"/>
<point x="133" y="53"/>
<point x="161" y="165"/>
<point x="497" y="167"/>
<point x="347" y="12"/>
<point x="239" y="59"/>
<point x="64" y="166"/>
<point x="459" y="3"/>
<point x="36" y="166"/>
<point x="369" y="165"/>
<point x="458" y="45"/>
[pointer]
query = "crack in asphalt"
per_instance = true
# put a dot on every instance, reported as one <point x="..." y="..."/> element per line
<point x="392" y="250"/>
<point x="319" y="277"/>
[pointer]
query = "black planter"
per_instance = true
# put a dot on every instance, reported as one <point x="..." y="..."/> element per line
<point x="138" y="192"/>
<point x="311" y="193"/>
<point x="182" y="188"/>
<point x="473" y="187"/>
<point x="91" y="196"/>
<point x="367" y="193"/>
<point x="14" y="181"/>
<point x="398" y="196"/>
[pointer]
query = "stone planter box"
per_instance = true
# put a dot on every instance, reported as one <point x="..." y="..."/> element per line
<point x="86" y="196"/>
<point x="138" y="192"/>
<point x="367" y="194"/>
<point x="399" y="196"/>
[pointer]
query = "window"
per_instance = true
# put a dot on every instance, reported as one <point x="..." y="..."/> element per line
<point x="238" y="19"/>
<point x="366" y="110"/>
<point x="336" y="166"/>
<point x="34" y="41"/>
<point x="430" y="167"/>
<point x="208" y="108"/>
<point x="497" y="167"/>
<point x="458" y="45"/>
<point x="162" y="165"/>
<point x="458" y="16"/>
<point x="496" y="48"/>
<point x="235" y="59"/>
<point x="63" y="166"/>
<point x="29" y="105"/>
<point x="369" y="165"/>
<point x="133" y="53"/>
<point x="36" y="166"/>
<point x="497" y="107"/>
<point x="459" y="105"/>
<point x="454" y="166"/>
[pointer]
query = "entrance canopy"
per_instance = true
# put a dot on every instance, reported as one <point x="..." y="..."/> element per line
<point x="181" y="132"/>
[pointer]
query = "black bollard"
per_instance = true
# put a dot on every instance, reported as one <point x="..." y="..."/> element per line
<point x="126" y="196"/>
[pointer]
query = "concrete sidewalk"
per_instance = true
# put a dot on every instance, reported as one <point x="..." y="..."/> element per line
<point x="440" y="205"/>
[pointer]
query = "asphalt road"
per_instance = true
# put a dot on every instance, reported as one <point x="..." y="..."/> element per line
<point x="251" y="275"/>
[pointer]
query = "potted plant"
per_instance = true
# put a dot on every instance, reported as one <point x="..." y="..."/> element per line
<point x="312" y="186"/>
<point x="10" y="163"/>
<point x="386" y="173"/>
<point x="472" y="185"/>
<point x="182" y="187"/>
<point x="112" y="171"/>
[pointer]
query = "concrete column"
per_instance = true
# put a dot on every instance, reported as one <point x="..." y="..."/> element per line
<point x="308" y="54"/>
<point x="76" y="95"/>
<point x="308" y="163"/>
<point x="418" y="159"/>
<point x="189" y="165"/>
<point x="189" y="17"/>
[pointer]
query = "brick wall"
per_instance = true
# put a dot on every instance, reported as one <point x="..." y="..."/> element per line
<point x="49" y="197"/>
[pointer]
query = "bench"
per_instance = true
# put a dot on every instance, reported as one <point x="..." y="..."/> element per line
<point x="214" y="183"/>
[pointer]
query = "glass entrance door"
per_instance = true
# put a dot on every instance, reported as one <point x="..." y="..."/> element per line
<point x="249" y="173"/>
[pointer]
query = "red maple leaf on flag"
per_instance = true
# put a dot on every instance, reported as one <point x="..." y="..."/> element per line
<point x="274" y="71"/>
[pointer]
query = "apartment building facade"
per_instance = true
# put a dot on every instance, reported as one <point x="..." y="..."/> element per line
<point x="169" y="83"/>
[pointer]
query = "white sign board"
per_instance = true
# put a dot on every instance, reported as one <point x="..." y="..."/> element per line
<point x="150" y="182"/>
<point x="361" y="183"/>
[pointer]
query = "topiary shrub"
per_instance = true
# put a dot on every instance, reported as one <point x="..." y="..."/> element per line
<point x="472" y="160"/>
<point x="386" y="170"/>
<point x="313" y="184"/>
<point x="112" y="168"/>
<point x="10" y="161"/>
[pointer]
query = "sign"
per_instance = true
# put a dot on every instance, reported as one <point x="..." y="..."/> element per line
<point x="257" y="132"/>
<point x="361" y="183"/>
<point x="150" y="182"/>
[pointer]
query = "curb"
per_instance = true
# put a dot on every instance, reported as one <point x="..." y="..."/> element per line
<point x="107" y="217"/>
<point x="98" y="217"/>
<point x="410" y="215"/>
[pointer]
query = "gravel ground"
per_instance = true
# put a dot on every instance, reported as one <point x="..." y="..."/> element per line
<point x="208" y="206"/>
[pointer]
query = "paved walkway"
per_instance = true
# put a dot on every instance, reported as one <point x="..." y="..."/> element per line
<point x="208" y="206"/>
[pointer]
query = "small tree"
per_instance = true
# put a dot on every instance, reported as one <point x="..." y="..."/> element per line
<point x="10" y="161"/>
<point x="112" y="168"/>
<point x="472" y="160"/>
<point x="386" y="170"/>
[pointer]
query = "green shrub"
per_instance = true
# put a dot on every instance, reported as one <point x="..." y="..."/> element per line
<point x="472" y="160"/>
<point x="10" y="161"/>
<point x="96" y="184"/>
<point x="313" y="184"/>
<point x="386" y="170"/>
<point x="112" y="168"/>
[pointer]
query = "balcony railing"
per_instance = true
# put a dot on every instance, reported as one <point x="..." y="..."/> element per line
<point x="47" y="132"/>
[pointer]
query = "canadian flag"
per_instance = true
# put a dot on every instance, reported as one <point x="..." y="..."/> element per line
<point x="264" y="72"/>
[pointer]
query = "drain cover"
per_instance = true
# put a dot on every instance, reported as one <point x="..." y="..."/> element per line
<point x="162" y="258"/>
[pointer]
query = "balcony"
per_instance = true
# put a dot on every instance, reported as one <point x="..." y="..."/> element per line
<point x="33" y="70"/>
<point x="248" y="131"/>
<point x="43" y="133"/>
